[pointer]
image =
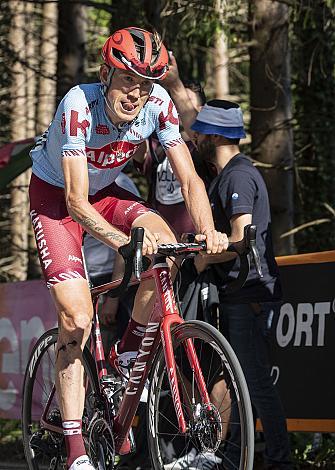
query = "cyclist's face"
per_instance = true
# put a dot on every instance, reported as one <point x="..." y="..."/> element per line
<point x="127" y="95"/>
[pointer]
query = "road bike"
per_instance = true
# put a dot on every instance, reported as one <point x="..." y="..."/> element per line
<point x="197" y="391"/>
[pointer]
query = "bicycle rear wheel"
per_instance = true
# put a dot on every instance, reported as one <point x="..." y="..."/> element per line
<point x="44" y="448"/>
<point x="220" y="436"/>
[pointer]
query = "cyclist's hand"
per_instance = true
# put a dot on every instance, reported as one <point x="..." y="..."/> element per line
<point x="150" y="242"/>
<point x="217" y="242"/>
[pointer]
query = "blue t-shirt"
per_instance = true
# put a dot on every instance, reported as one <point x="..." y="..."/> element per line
<point x="240" y="189"/>
<point x="81" y="127"/>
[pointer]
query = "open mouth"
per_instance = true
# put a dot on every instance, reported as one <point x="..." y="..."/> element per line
<point x="128" y="107"/>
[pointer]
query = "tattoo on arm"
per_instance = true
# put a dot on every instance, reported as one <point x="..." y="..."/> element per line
<point x="116" y="237"/>
<point x="90" y="223"/>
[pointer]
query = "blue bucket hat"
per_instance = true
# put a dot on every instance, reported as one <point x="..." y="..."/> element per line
<point x="220" y="117"/>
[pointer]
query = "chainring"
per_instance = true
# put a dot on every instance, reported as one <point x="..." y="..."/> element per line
<point x="101" y="445"/>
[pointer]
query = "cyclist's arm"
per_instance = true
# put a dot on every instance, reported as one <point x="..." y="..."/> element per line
<point x="79" y="208"/>
<point x="192" y="188"/>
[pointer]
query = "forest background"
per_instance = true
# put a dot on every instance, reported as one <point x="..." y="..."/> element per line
<point x="275" y="58"/>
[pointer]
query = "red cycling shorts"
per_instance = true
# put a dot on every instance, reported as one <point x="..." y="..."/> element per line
<point x="59" y="238"/>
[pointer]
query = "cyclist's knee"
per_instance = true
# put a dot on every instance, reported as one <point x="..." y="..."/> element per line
<point x="75" y="325"/>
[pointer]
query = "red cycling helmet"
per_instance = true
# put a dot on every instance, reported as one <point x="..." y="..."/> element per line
<point x="136" y="50"/>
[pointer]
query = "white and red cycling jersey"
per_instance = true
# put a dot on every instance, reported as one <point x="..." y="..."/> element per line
<point x="81" y="127"/>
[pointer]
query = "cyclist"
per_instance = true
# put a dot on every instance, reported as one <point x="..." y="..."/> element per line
<point x="95" y="131"/>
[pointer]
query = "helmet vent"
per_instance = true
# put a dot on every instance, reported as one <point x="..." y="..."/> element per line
<point x="139" y="44"/>
<point x="118" y="54"/>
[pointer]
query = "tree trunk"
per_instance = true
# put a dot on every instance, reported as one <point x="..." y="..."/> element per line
<point x="48" y="65"/>
<point x="30" y="68"/>
<point x="221" y="67"/>
<point x="33" y="265"/>
<point x="46" y="51"/>
<point x="72" y="26"/>
<point x="314" y="65"/>
<point x="270" y="106"/>
<point x="19" y="193"/>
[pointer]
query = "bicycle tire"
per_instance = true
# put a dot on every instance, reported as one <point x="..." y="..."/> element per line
<point x="42" y="447"/>
<point x="190" y="448"/>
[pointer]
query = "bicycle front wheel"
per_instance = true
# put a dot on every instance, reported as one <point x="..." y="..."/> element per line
<point x="41" y="420"/>
<point x="219" y="435"/>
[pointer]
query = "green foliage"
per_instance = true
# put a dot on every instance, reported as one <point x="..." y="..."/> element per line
<point x="11" y="449"/>
<point x="188" y="29"/>
<point x="311" y="450"/>
<point x="9" y="430"/>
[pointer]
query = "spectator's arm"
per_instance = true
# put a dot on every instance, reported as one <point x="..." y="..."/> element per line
<point x="237" y="223"/>
<point x="185" y="108"/>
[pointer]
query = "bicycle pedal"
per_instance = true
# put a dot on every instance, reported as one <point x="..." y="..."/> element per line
<point x="132" y="441"/>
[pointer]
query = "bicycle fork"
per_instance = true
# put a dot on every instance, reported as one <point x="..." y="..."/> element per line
<point x="172" y="317"/>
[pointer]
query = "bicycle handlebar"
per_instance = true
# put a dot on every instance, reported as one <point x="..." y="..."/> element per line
<point x="132" y="255"/>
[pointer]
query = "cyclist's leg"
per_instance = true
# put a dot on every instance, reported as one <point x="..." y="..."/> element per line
<point x="145" y="296"/>
<point x="59" y="245"/>
<point x="74" y="308"/>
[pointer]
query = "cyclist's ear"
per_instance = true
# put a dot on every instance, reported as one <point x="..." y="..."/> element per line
<point x="104" y="70"/>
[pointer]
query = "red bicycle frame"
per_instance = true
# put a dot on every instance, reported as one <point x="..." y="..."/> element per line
<point x="164" y="316"/>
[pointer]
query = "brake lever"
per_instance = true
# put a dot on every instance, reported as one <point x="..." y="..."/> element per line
<point x="246" y="249"/>
<point x="132" y="256"/>
<point x="252" y="248"/>
<point x="137" y="235"/>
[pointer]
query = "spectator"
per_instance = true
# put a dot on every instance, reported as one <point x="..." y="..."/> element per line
<point x="238" y="196"/>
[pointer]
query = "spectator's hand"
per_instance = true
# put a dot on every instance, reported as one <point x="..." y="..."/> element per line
<point x="200" y="263"/>
<point x="108" y="311"/>
<point x="217" y="242"/>
<point x="172" y="77"/>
